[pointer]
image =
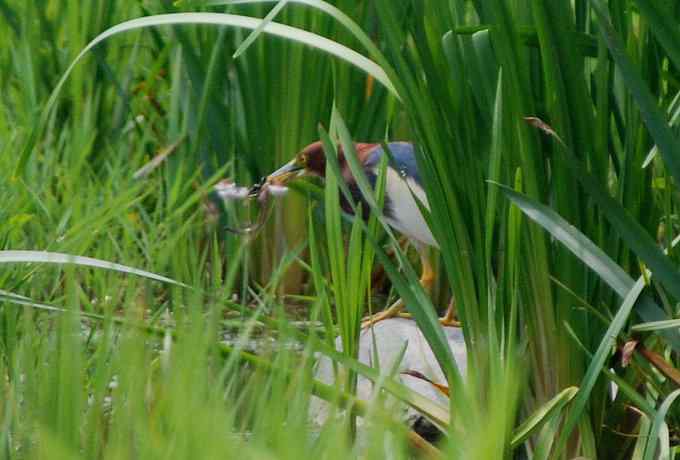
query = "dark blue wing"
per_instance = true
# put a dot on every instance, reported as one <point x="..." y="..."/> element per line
<point x="402" y="159"/>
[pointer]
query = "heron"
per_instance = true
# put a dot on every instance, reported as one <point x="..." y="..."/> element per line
<point x="400" y="208"/>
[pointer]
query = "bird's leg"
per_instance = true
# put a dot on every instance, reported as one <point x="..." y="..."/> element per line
<point x="427" y="280"/>
<point x="395" y="310"/>
<point x="450" y="319"/>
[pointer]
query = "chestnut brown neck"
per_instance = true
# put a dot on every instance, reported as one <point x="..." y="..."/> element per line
<point x="316" y="157"/>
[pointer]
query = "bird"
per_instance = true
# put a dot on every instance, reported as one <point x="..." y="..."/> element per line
<point x="401" y="210"/>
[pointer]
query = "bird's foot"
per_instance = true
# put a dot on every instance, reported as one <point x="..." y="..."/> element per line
<point x="450" y="319"/>
<point x="392" y="312"/>
<point x="449" y="322"/>
<point x="377" y="317"/>
<point x="446" y="320"/>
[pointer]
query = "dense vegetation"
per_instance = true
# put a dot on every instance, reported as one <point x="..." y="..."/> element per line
<point x="549" y="146"/>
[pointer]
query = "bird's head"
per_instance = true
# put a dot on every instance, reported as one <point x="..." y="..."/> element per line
<point x="310" y="161"/>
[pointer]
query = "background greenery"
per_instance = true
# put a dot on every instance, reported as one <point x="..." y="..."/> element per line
<point x="574" y="286"/>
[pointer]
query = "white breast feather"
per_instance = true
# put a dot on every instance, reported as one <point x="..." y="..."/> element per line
<point x="406" y="216"/>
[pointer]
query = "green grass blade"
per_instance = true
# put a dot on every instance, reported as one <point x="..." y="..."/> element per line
<point x="324" y="44"/>
<point x="658" y="421"/>
<point x="630" y="230"/>
<point x="598" y="363"/>
<point x="668" y="144"/>
<point x="25" y="301"/>
<point x="231" y="20"/>
<point x="59" y="258"/>
<point x="657" y="325"/>
<point x="353" y="162"/>
<point x="337" y="14"/>
<point x="541" y="416"/>
<point x="574" y="240"/>
<point x="591" y="255"/>
<point x="260" y="28"/>
<point x="674" y="119"/>
<point x="623" y="385"/>
<point x="663" y="26"/>
<point x="494" y="165"/>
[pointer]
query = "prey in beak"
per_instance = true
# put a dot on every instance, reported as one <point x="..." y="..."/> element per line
<point x="289" y="171"/>
<point x="279" y="178"/>
<point x="273" y="185"/>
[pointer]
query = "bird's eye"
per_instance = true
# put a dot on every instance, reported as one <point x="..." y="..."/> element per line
<point x="303" y="160"/>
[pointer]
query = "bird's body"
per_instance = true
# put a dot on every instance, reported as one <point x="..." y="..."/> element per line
<point x="402" y="183"/>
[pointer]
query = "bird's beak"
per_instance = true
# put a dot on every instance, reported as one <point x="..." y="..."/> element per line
<point x="281" y="176"/>
<point x="286" y="172"/>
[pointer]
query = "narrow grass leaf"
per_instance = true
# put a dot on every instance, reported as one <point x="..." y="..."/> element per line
<point x="592" y="256"/>
<point x="259" y="29"/>
<point x="624" y="386"/>
<point x="668" y="144"/>
<point x="674" y="115"/>
<point x="13" y="295"/>
<point x="541" y="416"/>
<point x="635" y="236"/>
<point x="330" y="10"/>
<point x="25" y="301"/>
<point x="574" y="240"/>
<point x="495" y="162"/>
<point x="657" y="423"/>
<point x="59" y="258"/>
<point x="663" y="25"/>
<point x="632" y="232"/>
<point x="291" y="33"/>
<point x="219" y="19"/>
<point x="598" y="363"/>
<point x="657" y="325"/>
